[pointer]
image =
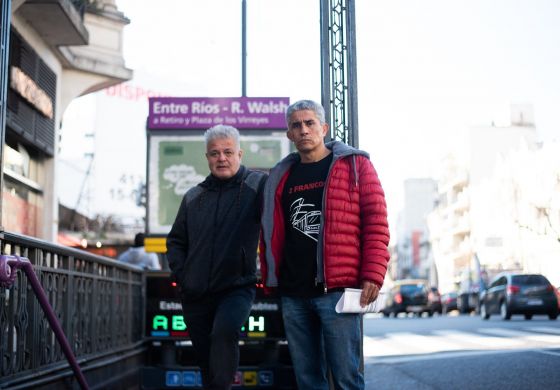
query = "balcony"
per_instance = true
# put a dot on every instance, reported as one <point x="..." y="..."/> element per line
<point x="454" y="183"/>
<point x="461" y="259"/>
<point x="86" y="36"/>
<point x="101" y="59"/>
<point x="462" y="202"/>
<point x="461" y="226"/>
<point x="58" y="22"/>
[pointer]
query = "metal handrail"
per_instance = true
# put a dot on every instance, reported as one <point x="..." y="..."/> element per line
<point x="98" y="301"/>
<point x="8" y="268"/>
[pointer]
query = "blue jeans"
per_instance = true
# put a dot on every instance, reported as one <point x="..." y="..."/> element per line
<point x="214" y="324"/>
<point x="319" y="337"/>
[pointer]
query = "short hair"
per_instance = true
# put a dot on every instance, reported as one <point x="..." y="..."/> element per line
<point x="139" y="240"/>
<point x="222" y="131"/>
<point x="306" y="105"/>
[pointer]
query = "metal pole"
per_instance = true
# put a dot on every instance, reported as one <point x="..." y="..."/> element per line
<point x="352" y="74"/>
<point x="339" y="81"/>
<point x="325" y="63"/>
<point x="4" y="76"/>
<point x="243" y="48"/>
<point x="338" y="69"/>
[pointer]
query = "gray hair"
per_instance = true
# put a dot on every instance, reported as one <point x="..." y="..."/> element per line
<point x="222" y="131"/>
<point x="306" y="105"/>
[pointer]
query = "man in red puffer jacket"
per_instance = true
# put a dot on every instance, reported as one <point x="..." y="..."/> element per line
<point x="324" y="228"/>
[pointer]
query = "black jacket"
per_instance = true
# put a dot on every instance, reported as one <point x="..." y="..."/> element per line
<point x="212" y="245"/>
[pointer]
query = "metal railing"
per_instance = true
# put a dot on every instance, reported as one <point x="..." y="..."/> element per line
<point x="98" y="302"/>
<point x="9" y="266"/>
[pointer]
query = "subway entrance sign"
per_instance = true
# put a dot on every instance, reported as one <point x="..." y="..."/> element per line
<point x="204" y="112"/>
<point x="176" y="160"/>
<point x="264" y="360"/>
<point x="164" y="316"/>
<point x="175" y="163"/>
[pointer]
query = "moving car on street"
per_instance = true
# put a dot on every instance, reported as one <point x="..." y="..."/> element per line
<point x="517" y="293"/>
<point x="448" y="302"/>
<point x="407" y="296"/>
<point x="434" y="301"/>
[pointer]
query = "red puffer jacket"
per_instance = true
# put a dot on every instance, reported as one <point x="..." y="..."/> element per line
<point x="354" y="235"/>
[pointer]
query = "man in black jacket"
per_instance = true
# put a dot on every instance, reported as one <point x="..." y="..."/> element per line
<point x="212" y="250"/>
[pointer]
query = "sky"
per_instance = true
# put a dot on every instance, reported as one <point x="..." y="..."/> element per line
<point x="427" y="70"/>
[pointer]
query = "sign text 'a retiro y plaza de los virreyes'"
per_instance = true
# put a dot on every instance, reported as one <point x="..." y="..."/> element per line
<point x="201" y="113"/>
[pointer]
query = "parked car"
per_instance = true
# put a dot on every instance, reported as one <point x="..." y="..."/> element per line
<point x="407" y="296"/>
<point x="517" y="293"/>
<point x="557" y="292"/>
<point x="471" y="283"/>
<point x="468" y="301"/>
<point x="434" y="301"/>
<point x="448" y="302"/>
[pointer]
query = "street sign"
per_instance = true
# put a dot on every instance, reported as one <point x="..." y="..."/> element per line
<point x="204" y="112"/>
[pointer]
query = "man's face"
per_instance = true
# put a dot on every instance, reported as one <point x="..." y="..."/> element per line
<point x="305" y="131"/>
<point x="224" y="157"/>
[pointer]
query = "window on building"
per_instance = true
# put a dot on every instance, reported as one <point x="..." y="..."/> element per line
<point x="22" y="195"/>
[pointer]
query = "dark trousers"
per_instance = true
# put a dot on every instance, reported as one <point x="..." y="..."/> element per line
<point x="214" y="324"/>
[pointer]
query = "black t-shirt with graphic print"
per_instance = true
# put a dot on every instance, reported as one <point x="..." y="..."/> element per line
<point x="302" y="201"/>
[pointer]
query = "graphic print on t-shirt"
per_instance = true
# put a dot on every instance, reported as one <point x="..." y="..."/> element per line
<point x="306" y="218"/>
<point x="302" y="208"/>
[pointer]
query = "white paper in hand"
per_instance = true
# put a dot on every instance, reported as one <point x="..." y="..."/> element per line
<point x="349" y="302"/>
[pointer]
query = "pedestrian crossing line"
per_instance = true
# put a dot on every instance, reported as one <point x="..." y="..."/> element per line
<point x="424" y="343"/>
<point x="544" y="329"/>
<point x="400" y="343"/>
<point x="438" y="356"/>
<point x="379" y="346"/>
<point x="542" y="338"/>
<point x="480" y="341"/>
<point x="449" y="340"/>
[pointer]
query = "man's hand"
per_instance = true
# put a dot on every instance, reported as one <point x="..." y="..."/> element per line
<point x="369" y="293"/>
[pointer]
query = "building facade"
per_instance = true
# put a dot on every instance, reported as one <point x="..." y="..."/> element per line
<point x="414" y="258"/>
<point x="529" y="197"/>
<point x="449" y="223"/>
<point x="469" y="226"/>
<point x="59" y="50"/>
